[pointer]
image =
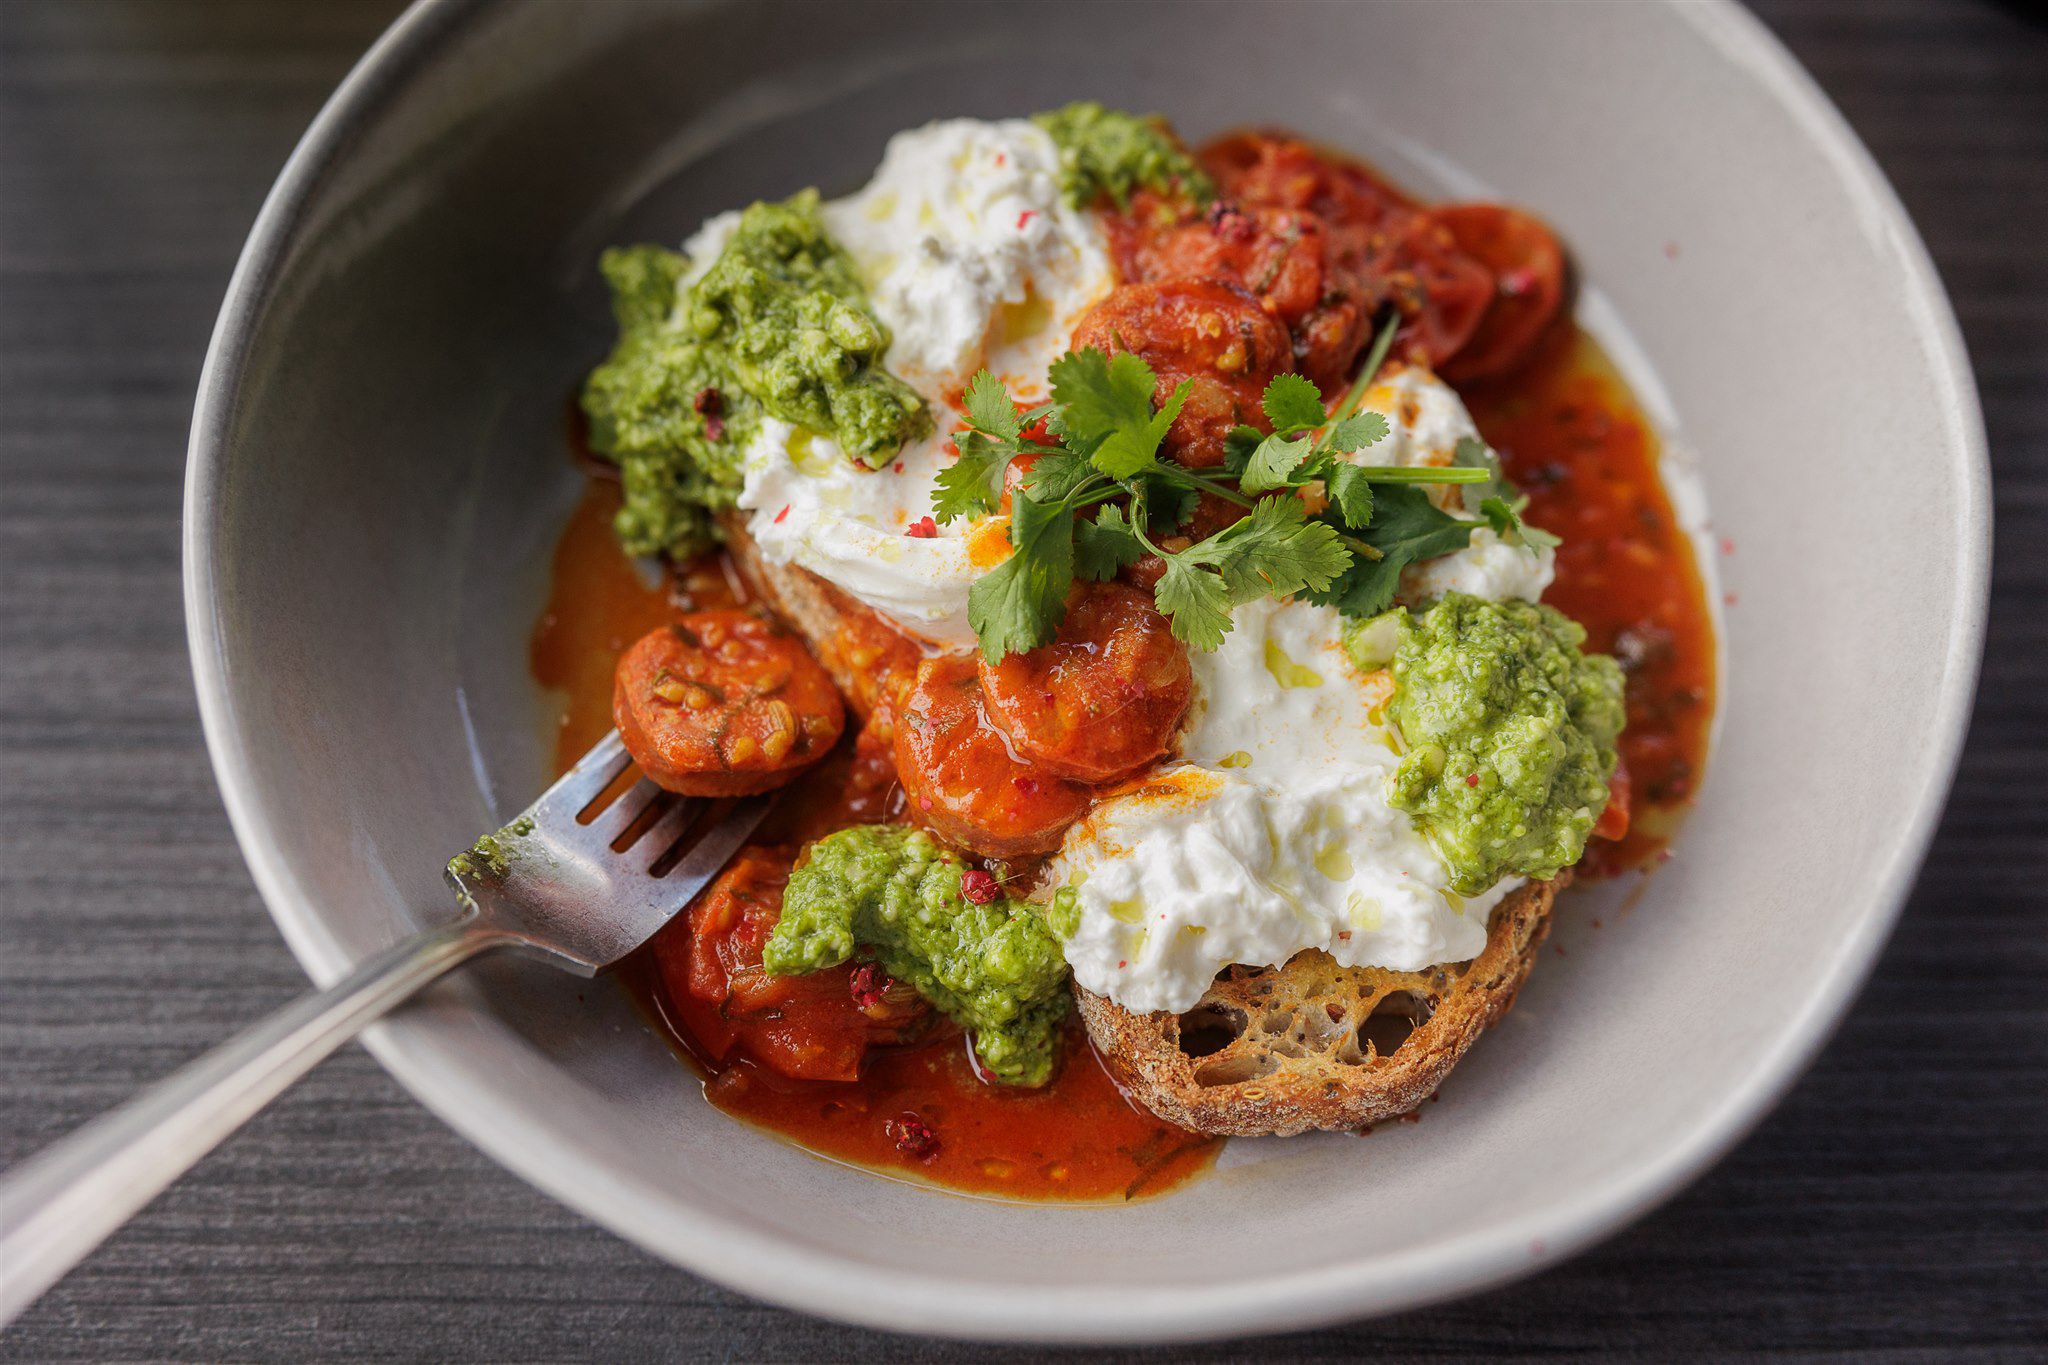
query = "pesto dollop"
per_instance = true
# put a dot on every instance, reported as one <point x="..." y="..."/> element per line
<point x="779" y="324"/>
<point x="896" y="892"/>
<point x="645" y="417"/>
<point x="1508" y="732"/>
<point x="1107" y="152"/>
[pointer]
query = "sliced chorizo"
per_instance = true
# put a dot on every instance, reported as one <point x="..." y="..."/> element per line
<point x="1104" y="697"/>
<point x="724" y="703"/>
<point x="1209" y="332"/>
<point x="961" y="776"/>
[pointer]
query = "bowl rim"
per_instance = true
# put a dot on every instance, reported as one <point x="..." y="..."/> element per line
<point x="766" y="1267"/>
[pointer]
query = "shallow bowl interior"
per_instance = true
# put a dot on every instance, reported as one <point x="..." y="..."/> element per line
<point x="378" y="475"/>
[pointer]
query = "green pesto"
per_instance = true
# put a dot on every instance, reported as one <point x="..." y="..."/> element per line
<point x="492" y="853"/>
<point x="895" y="892"/>
<point x="1063" y="912"/>
<point x="1501" y="690"/>
<point x="778" y="324"/>
<point x="643" y="416"/>
<point x="1108" y="152"/>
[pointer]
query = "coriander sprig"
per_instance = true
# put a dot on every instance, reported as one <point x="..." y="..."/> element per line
<point x="1108" y="430"/>
<point x="1500" y="502"/>
<point x="1407" y="527"/>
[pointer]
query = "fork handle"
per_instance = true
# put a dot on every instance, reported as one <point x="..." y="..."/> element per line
<point x="58" y="1205"/>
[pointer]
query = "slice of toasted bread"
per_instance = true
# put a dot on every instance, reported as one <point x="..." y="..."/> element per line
<point x="1281" y="1050"/>
<point x="1268" y="1050"/>
<point x="815" y="610"/>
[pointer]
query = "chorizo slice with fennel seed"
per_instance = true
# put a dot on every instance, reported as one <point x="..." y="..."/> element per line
<point x="724" y="703"/>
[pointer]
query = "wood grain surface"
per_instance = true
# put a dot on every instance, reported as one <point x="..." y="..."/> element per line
<point x="1896" y="1205"/>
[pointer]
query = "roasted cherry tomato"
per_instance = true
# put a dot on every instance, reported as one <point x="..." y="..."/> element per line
<point x="1104" y="697"/>
<point x="1208" y="332"/>
<point x="1440" y="291"/>
<point x="722" y="703"/>
<point x="1613" y="821"/>
<point x="961" y="777"/>
<point x="1528" y="271"/>
<point x="815" y="1027"/>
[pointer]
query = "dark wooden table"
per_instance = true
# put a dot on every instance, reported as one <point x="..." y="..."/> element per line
<point x="1896" y="1204"/>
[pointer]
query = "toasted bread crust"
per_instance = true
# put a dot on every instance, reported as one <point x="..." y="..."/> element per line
<point x="1299" y="1053"/>
<point x="1281" y="1050"/>
<point x="812" y="607"/>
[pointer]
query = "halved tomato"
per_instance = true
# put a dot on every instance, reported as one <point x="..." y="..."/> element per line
<point x="1528" y="270"/>
<point x="1613" y="821"/>
<point x="809" y="1028"/>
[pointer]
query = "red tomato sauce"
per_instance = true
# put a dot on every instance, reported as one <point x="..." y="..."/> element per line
<point x="1571" y="435"/>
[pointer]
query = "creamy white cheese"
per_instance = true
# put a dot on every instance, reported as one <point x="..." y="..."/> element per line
<point x="1273" y="835"/>
<point x="971" y="257"/>
<point x="971" y="254"/>
<point x="812" y="506"/>
<point x="1487" y="567"/>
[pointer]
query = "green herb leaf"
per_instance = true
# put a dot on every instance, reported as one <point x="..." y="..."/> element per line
<point x="1055" y="477"/>
<point x="1274" y="463"/>
<point x="1018" y="605"/>
<point x="1473" y="453"/>
<point x="1286" y="459"/>
<point x="1406" y="526"/>
<point x="1507" y="523"/>
<point x="1102" y="410"/>
<point x="1097" y="395"/>
<point x="1293" y="404"/>
<point x="1169" y="504"/>
<point x="1105" y="545"/>
<point x="1277" y="551"/>
<point x="1131" y="450"/>
<point x="1195" y="601"/>
<point x="972" y="484"/>
<point x="1350" y="491"/>
<point x="1356" y="432"/>
<point x="990" y="409"/>
<point x="1238" y="448"/>
<point x="1273" y="552"/>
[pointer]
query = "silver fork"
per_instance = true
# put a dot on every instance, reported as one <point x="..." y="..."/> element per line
<point x="578" y="895"/>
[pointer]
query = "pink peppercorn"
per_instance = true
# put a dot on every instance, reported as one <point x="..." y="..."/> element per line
<point x="710" y="403"/>
<point x="914" y="1137"/>
<point x="868" y="984"/>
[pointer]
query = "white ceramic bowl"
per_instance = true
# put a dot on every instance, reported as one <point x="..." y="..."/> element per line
<point x="377" y="476"/>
